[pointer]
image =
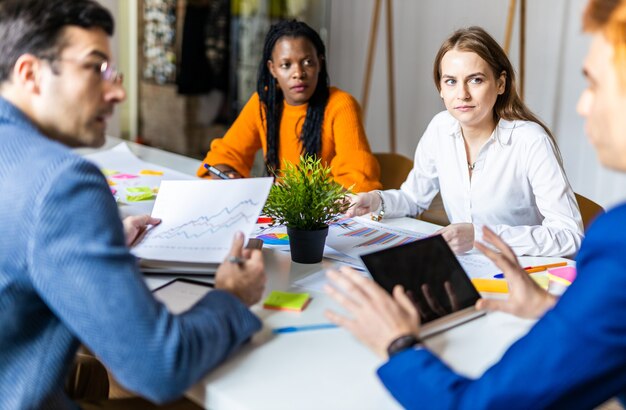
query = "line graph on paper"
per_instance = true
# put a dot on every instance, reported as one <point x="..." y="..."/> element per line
<point x="357" y="236"/>
<point x="211" y="224"/>
<point x="200" y="218"/>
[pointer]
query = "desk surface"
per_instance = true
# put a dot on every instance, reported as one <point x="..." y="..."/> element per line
<point x="326" y="369"/>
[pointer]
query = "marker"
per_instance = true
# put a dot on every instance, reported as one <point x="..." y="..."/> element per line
<point x="541" y="268"/>
<point x="293" y="329"/>
<point x="216" y="171"/>
<point x="533" y="269"/>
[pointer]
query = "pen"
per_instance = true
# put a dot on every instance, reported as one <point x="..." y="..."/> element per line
<point x="293" y="329"/>
<point x="541" y="268"/>
<point x="216" y="171"/>
<point x="538" y="268"/>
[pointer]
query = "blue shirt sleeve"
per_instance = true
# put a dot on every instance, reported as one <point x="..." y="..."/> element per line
<point x="574" y="357"/>
<point x="86" y="275"/>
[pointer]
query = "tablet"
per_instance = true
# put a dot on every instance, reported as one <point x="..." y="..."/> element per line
<point x="433" y="278"/>
<point x="181" y="294"/>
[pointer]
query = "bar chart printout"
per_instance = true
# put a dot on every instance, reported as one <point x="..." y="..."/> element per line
<point x="357" y="236"/>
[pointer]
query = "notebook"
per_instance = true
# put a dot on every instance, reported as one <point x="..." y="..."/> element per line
<point x="433" y="278"/>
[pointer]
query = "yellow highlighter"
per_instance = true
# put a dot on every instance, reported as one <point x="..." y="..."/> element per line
<point x="500" y="285"/>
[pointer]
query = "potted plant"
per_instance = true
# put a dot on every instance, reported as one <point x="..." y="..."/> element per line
<point x="305" y="199"/>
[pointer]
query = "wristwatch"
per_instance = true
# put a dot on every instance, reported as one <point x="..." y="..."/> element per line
<point x="402" y="343"/>
<point x="381" y="213"/>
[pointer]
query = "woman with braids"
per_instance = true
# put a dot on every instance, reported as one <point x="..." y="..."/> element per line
<point x="295" y="112"/>
<point x="491" y="158"/>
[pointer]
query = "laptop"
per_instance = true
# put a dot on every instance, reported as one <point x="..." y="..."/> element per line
<point x="433" y="278"/>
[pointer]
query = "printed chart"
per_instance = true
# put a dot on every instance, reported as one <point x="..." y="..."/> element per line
<point x="200" y="218"/>
<point x="357" y="236"/>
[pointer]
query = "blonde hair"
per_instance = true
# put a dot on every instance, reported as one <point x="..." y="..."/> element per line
<point x="609" y="18"/>
<point x="509" y="105"/>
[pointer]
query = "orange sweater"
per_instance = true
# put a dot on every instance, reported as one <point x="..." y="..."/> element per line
<point x="344" y="144"/>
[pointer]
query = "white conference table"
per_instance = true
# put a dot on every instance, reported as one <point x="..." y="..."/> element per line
<point x="326" y="369"/>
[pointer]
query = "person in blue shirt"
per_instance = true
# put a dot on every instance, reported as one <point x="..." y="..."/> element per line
<point x="588" y="322"/>
<point x="66" y="274"/>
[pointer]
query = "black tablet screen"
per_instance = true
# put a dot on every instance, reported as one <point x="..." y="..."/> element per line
<point x="430" y="273"/>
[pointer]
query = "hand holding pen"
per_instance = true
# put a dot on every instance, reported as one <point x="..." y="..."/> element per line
<point x="225" y="173"/>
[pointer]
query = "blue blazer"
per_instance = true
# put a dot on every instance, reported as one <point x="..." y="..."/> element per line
<point x="589" y="323"/>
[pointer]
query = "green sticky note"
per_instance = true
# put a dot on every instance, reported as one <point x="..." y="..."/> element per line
<point x="278" y="300"/>
<point x="141" y="197"/>
<point x="139" y="190"/>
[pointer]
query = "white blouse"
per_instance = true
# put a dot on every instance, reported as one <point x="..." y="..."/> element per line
<point x="518" y="186"/>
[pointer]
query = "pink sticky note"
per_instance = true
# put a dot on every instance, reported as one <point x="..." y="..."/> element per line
<point x="124" y="176"/>
<point x="567" y="273"/>
<point x="113" y="191"/>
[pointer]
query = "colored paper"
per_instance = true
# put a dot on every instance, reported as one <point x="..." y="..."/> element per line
<point x="109" y="172"/>
<point x="564" y="275"/>
<point x="501" y="286"/>
<point x="124" y="176"/>
<point x="139" y="190"/>
<point x="113" y="191"/>
<point x="111" y="183"/>
<point x="140" y="197"/>
<point x="150" y="172"/>
<point x="278" y="300"/>
<point x="274" y="238"/>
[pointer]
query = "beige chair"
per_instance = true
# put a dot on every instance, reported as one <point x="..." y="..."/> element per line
<point x="394" y="169"/>
<point x="589" y="210"/>
<point x="436" y="214"/>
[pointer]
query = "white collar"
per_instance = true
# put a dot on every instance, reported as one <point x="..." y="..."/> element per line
<point x="502" y="133"/>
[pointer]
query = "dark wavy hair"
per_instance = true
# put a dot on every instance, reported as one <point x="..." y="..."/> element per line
<point x="36" y="27"/>
<point x="271" y="96"/>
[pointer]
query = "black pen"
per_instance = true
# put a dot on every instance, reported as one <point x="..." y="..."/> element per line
<point x="216" y="171"/>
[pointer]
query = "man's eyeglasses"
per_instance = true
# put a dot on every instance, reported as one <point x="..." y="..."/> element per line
<point x="108" y="72"/>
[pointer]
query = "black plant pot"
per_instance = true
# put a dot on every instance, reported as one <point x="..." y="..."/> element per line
<point x="307" y="246"/>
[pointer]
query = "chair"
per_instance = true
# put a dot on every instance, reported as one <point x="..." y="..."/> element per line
<point x="394" y="169"/>
<point x="436" y="214"/>
<point x="589" y="210"/>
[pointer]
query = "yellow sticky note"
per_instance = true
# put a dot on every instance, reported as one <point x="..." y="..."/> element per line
<point x="490" y="285"/>
<point x="278" y="300"/>
<point x="150" y="172"/>
<point x="109" y="172"/>
<point x="541" y="279"/>
<point x="501" y="286"/>
<point x="111" y="183"/>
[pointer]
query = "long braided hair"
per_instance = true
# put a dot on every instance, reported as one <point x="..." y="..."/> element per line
<point x="271" y="96"/>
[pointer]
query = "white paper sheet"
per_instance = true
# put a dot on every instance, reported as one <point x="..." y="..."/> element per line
<point x="121" y="160"/>
<point x="316" y="281"/>
<point x="478" y="265"/>
<point x="358" y="236"/>
<point x="200" y="218"/>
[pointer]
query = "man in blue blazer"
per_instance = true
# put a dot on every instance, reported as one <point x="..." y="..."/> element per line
<point x="66" y="274"/>
<point x="589" y="320"/>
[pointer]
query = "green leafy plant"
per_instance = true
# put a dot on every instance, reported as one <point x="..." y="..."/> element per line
<point x="305" y="196"/>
